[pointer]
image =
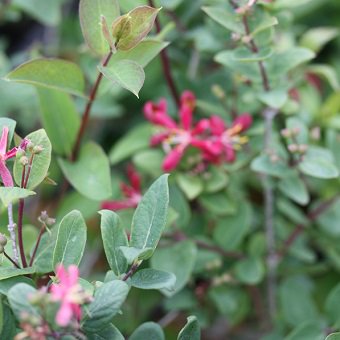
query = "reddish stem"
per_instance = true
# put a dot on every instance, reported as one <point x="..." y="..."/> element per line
<point x="166" y="65"/>
<point x="42" y="230"/>
<point x="10" y="259"/>
<point x="312" y="216"/>
<point x="131" y="271"/>
<point x="87" y="111"/>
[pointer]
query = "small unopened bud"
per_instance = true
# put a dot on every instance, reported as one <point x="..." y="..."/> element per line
<point x="44" y="218"/>
<point x="293" y="148"/>
<point x="20" y="153"/>
<point x="303" y="148"/>
<point x="235" y="36"/>
<point x="23" y="160"/>
<point x="37" y="149"/>
<point x="246" y="39"/>
<point x="3" y="240"/>
<point x="286" y="133"/>
<point x="30" y="146"/>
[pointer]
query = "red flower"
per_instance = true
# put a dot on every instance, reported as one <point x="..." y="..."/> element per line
<point x="4" y="172"/>
<point x="132" y="192"/>
<point x="224" y="141"/>
<point x="177" y="137"/>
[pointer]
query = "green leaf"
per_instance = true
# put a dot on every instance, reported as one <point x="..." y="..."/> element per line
<point x="218" y="203"/>
<point x="296" y="301"/>
<point x="333" y="336"/>
<point x="113" y="236"/>
<point x="18" y="298"/>
<point x="125" y="73"/>
<point x="137" y="138"/>
<point x="191" y="331"/>
<point x="46" y="12"/>
<point x="294" y="188"/>
<point x="283" y="62"/>
<point x="231" y="230"/>
<point x="132" y="254"/>
<point x="148" y="330"/>
<point x="276" y="98"/>
<point x="107" y="302"/>
<point x="244" y="55"/>
<point x="90" y="174"/>
<point x="8" y="272"/>
<point x="265" y="23"/>
<point x="41" y="161"/>
<point x="11" y="124"/>
<point x="54" y="74"/>
<point x="43" y="261"/>
<point x="60" y="119"/>
<point x="191" y="185"/>
<point x="90" y="12"/>
<point x="13" y="194"/>
<point x="149" y="161"/>
<point x="7" y="284"/>
<point x="215" y="180"/>
<point x="319" y="168"/>
<point x="71" y="240"/>
<point x="265" y="165"/>
<point x="137" y="24"/>
<point x="150" y="216"/>
<point x="327" y="72"/>
<point x="226" y="18"/>
<point x="311" y="330"/>
<point x="8" y="319"/>
<point x="316" y="38"/>
<point x="110" y="332"/>
<point x="332" y="307"/>
<point x="153" y="279"/>
<point x="178" y="259"/>
<point x="142" y="54"/>
<point x="250" y="271"/>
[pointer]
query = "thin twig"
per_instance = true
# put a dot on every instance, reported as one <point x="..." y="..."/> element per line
<point x="131" y="271"/>
<point x="11" y="229"/>
<point x="20" y="236"/>
<point x="166" y="65"/>
<point x="312" y="216"/>
<point x="87" y="111"/>
<point x="42" y="230"/>
<point x="10" y="259"/>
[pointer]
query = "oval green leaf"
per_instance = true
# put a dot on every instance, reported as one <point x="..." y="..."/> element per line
<point x="90" y="174"/>
<point x="41" y="161"/>
<point x="71" y="240"/>
<point x="153" y="279"/>
<point x="55" y="74"/>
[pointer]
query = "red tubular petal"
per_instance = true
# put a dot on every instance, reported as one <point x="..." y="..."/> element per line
<point x="118" y="205"/>
<point x="245" y="121"/>
<point x="5" y="175"/>
<point x="134" y="178"/>
<point x="172" y="159"/>
<point x="3" y="140"/>
<point x="158" y="138"/>
<point x="217" y="125"/>
<point x="188" y="102"/>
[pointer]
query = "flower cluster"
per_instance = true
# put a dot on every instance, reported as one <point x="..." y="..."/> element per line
<point x="216" y="141"/>
<point x="132" y="192"/>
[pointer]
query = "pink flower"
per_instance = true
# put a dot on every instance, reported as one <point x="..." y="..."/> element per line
<point x="175" y="138"/>
<point x="132" y="193"/>
<point x="69" y="293"/>
<point x="4" y="172"/>
<point x="224" y="141"/>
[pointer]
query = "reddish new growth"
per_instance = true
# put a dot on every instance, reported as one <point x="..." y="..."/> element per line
<point x="5" y="174"/>
<point x="211" y="136"/>
<point x="132" y="193"/>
